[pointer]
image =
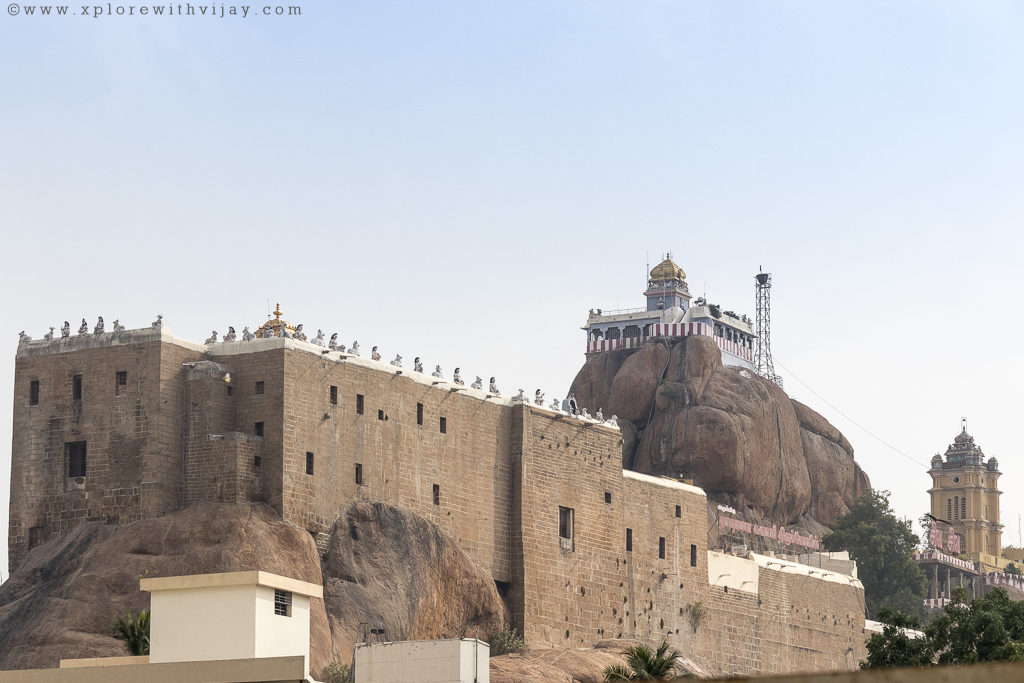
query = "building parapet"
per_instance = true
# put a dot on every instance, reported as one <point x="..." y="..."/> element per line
<point x="1001" y="579"/>
<point x="658" y="330"/>
<point x="81" y="342"/>
<point x="935" y="555"/>
<point x="664" y="481"/>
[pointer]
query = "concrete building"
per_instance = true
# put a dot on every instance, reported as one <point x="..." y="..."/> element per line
<point x="458" y="660"/>
<point x="669" y="313"/>
<point x="132" y="424"/>
<point x="236" y="615"/>
<point x="238" y="627"/>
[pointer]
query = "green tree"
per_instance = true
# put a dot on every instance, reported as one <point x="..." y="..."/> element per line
<point x="1012" y="569"/>
<point x="882" y="546"/>
<point x="896" y="645"/>
<point x="645" y="664"/>
<point x="988" y="629"/>
<point x="134" y="631"/>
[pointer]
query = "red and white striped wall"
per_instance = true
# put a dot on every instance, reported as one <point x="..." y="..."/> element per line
<point x="1001" y="579"/>
<point x="735" y="349"/>
<point x="936" y="603"/>
<point x="614" y="344"/>
<point x="672" y="330"/>
<point x="678" y="329"/>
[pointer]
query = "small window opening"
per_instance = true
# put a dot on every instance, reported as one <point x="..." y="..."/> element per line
<point x="565" y="528"/>
<point x="309" y="463"/>
<point x="35" y="536"/>
<point x="359" y="474"/>
<point x="33" y="393"/>
<point x="282" y="602"/>
<point x="419" y="413"/>
<point x="258" y="428"/>
<point x="437" y="494"/>
<point x="444" y="425"/>
<point x="260" y="387"/>
<point x="629" y="540"/>
<point x="359" y="404"/>
<point x="963" y="508"/>
<point x="607" y="496"/>
<point x="693" y="555"/>
<point x="76" y="458"/>
<point x="661" y="547"/>
<point x="121" y="381"/>
<point x="380" y="415"/>
<point x="334" y="395"/>
<point x="679" y="511"/>
<point x="76" y="388"/>
<point x="231" y="390"/>
<point x="257" y="460"/>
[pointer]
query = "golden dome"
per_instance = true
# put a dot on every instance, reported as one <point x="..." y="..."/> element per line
<point x="667" y="270"/>
<point x="275" y="324"/>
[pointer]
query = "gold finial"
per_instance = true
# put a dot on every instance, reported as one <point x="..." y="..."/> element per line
<point x="275" y="325"/>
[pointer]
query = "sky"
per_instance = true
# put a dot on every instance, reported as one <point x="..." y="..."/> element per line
<point x="463" y="180"/>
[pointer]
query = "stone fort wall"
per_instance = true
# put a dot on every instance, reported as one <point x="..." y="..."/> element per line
<point x="581" y="549"/>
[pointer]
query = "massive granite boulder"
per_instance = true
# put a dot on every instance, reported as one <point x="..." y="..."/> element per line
<point x="399" y="572"/>
<point x="61" y="602"/>
<point x="385" y="568"/>
<point x="737" y="435"/>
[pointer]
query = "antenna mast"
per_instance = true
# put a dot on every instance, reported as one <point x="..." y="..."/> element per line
<point x="763" y="364"/>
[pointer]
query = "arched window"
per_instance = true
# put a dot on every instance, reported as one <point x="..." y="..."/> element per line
<point x="613" y="333"/>
<point x="631" y="332"/>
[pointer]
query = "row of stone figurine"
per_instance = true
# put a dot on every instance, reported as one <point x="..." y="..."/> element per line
<point x="83" y="329"/>
<point x="568" y="405"/>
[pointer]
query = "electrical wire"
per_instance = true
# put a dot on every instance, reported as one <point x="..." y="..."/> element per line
<point x="851" y="420"/>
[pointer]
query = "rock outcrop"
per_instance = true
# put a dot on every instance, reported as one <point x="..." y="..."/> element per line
<point x="738" y="436"/>
<point x="62" y="601"/>
<point x="385" y="568"/>
<point x="401" y="573"/>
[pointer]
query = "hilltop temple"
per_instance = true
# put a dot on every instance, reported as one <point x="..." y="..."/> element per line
<point x="670" y="313"/>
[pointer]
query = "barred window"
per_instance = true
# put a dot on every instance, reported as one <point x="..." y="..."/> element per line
<point x="33" y="393"/>
<point x="282" y="602"/>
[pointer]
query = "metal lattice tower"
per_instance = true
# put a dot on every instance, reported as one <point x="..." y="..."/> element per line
<point x="763" y="357"/>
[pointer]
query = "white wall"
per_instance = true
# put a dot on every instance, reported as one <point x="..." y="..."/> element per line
<point x="200" y="624"/>
<point x="733" y="572"/>
<point x="280" y="636"/>
<point x="426" y="661"/>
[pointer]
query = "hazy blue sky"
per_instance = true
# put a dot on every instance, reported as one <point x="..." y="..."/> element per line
<point x="464" y="180"/>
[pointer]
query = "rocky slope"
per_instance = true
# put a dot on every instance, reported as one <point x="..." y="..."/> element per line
<point x="401" y="573"/>
<point x="738" y="436"/>
<point x="385" y="567"/>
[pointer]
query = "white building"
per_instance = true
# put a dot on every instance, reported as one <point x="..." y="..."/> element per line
<point x="670" y="313"/>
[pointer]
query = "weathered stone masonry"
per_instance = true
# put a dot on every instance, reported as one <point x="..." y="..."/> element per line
<point x="580" y="549"/>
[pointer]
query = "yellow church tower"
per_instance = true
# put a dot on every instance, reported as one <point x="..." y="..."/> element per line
<point x="965" y="493"/>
